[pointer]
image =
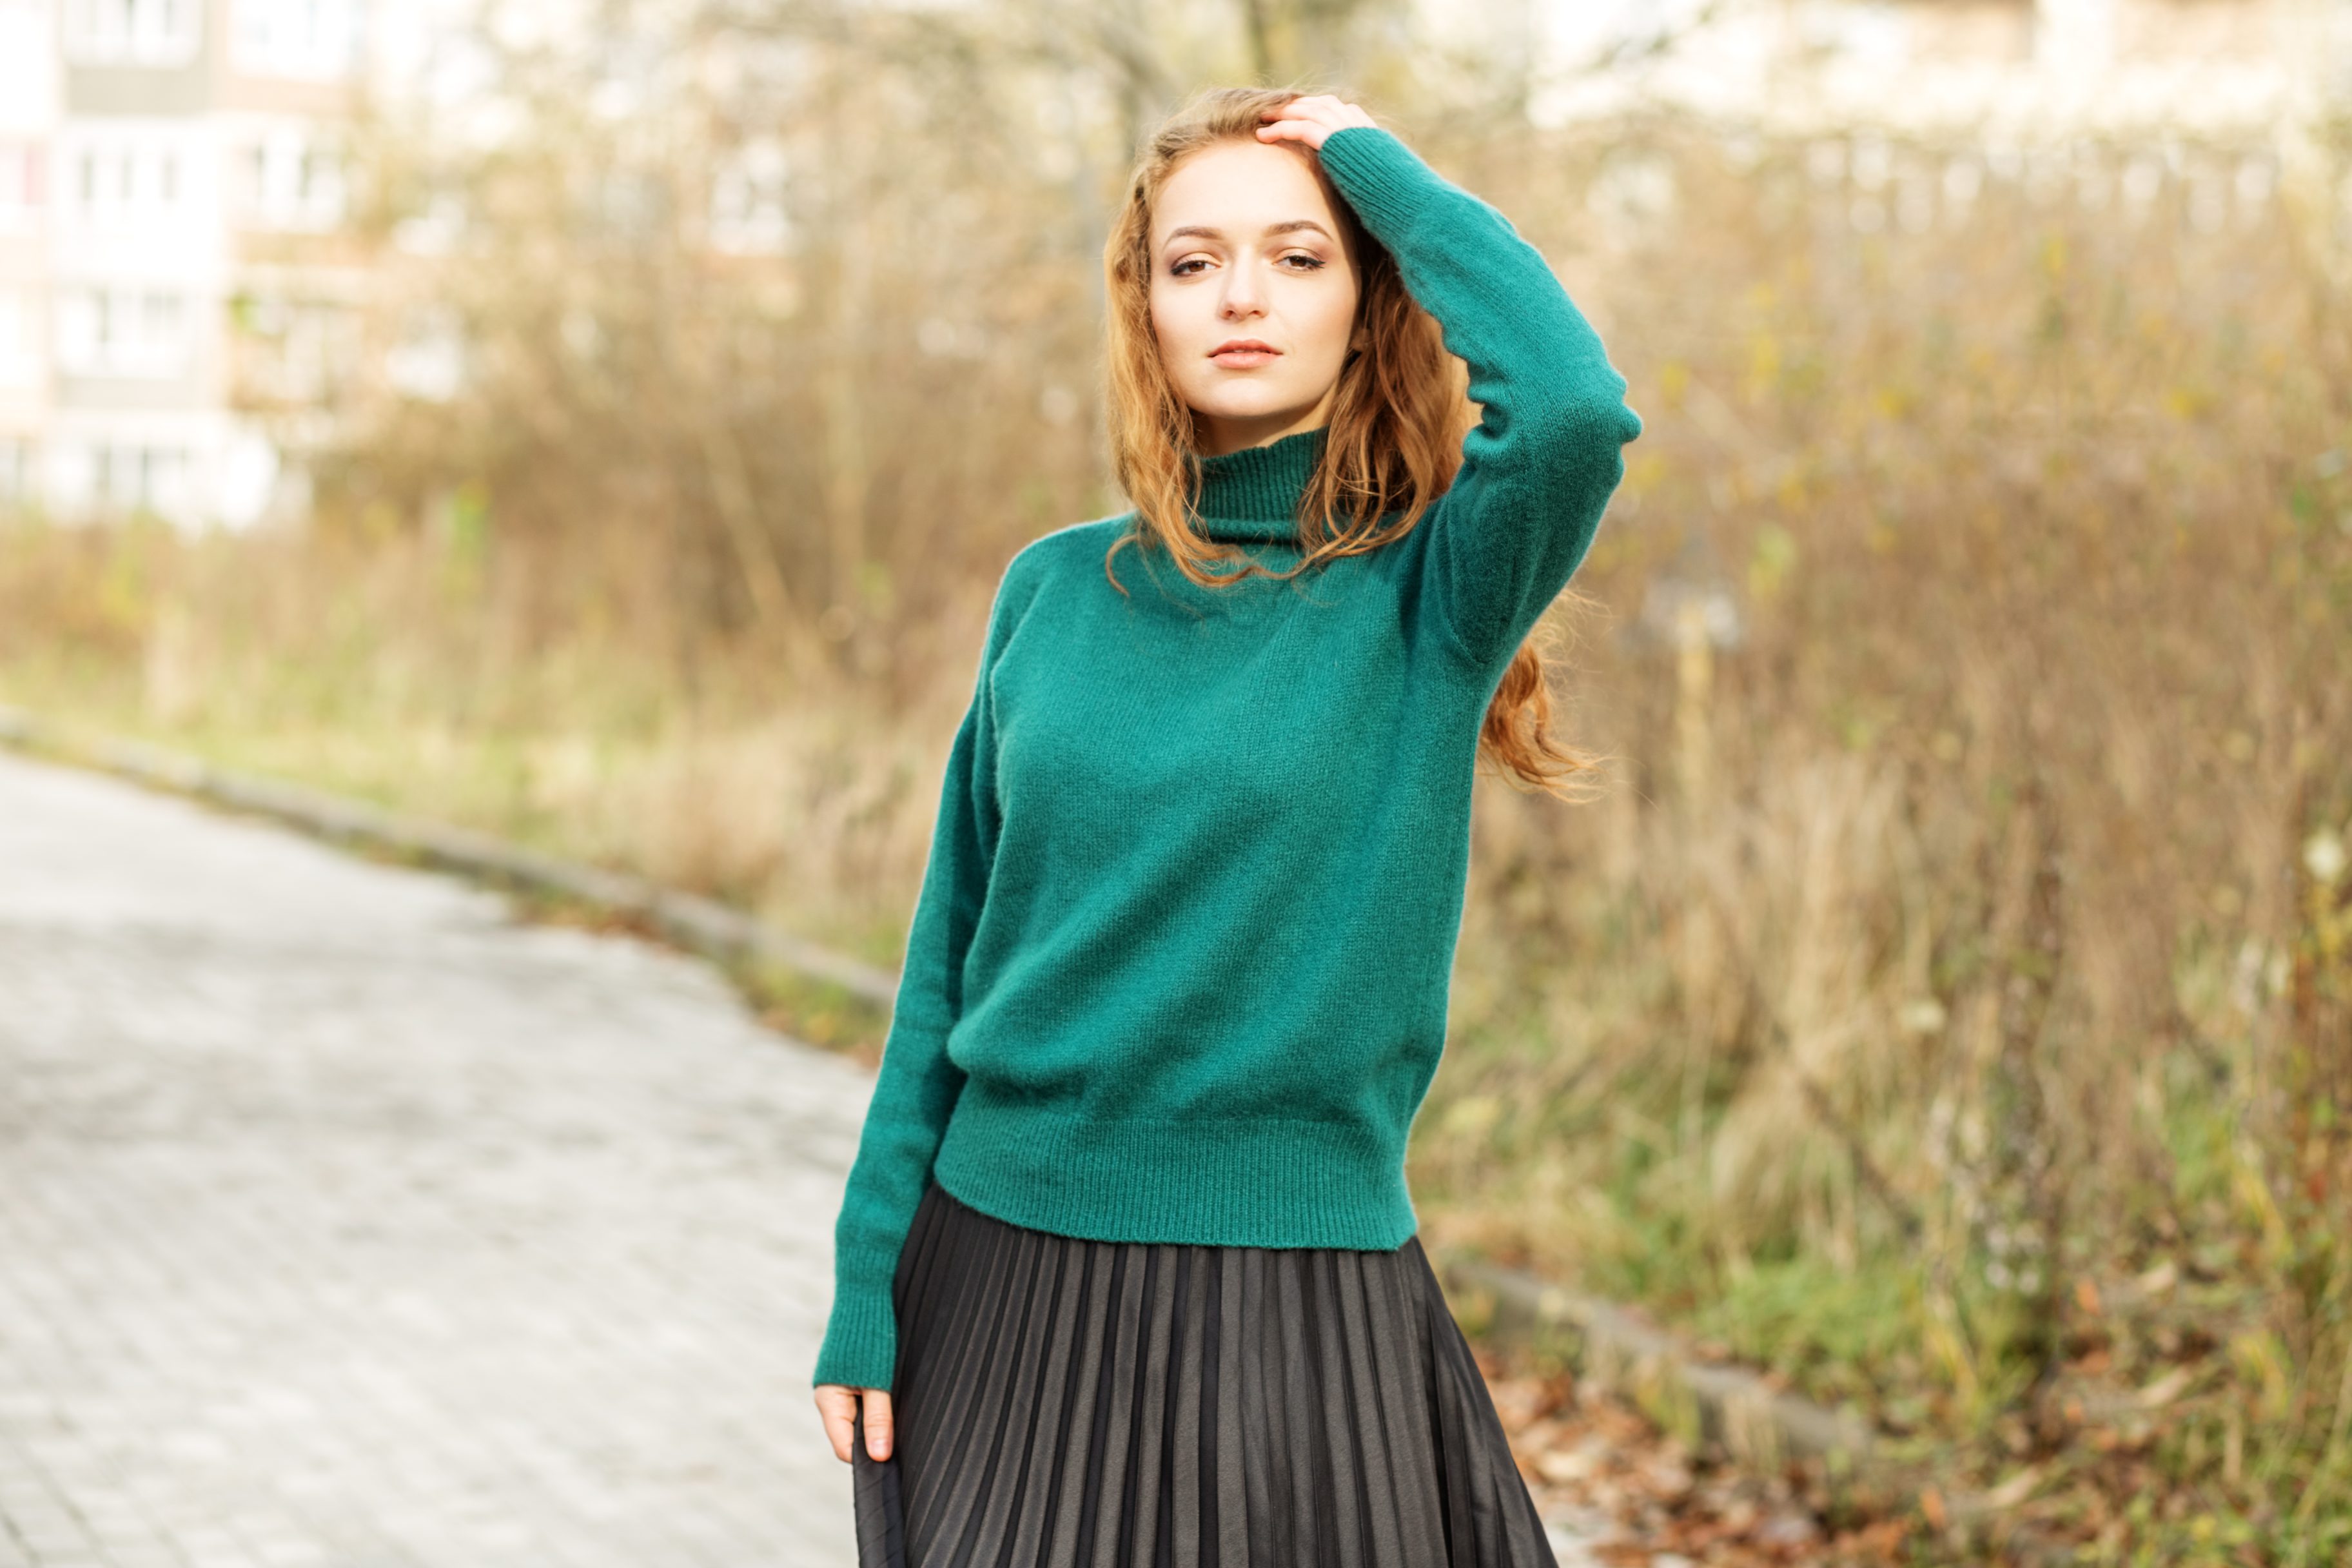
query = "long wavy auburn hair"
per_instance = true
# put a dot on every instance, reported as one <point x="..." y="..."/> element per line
<point x="1390" y="449"/>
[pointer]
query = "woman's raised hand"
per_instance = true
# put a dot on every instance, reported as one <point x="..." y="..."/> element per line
<point x="1310" y="119"/>
<point x="838" y="1405"/>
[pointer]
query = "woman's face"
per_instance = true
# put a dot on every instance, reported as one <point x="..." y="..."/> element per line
<point x="1246" y="250"/>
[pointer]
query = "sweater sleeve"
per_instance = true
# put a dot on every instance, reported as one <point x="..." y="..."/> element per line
<point x="915" y="1092"/>
<point x="1540" y="466"/>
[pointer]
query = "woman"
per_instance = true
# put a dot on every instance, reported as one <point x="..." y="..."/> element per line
<point x="1127" y="1270"/>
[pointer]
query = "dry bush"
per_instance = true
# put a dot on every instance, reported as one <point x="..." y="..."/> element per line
<point x="1981" y="925"/>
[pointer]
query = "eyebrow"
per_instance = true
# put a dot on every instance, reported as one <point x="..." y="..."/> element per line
<point x="1285" y="227"/>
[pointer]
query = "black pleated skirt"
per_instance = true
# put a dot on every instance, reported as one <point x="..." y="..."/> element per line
<point x="1062" y="1403"/>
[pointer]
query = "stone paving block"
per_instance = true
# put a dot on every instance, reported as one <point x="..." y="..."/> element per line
<point x="159" y="1556"/>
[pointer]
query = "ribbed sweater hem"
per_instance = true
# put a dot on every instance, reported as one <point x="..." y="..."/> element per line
<point x="1258" y="1182"/>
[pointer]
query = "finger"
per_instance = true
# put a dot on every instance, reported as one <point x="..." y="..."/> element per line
<point x="878" y="1423"/>
<point x="1327" y="113"/>
<point x="837" y="1406"/>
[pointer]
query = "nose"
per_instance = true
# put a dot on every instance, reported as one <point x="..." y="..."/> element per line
<point x="1241" y="296"/>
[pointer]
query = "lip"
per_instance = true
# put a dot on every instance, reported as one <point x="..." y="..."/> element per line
<point x="1242" y="353"/>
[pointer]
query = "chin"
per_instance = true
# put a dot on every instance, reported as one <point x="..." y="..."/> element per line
<point x="1254" y="407"/>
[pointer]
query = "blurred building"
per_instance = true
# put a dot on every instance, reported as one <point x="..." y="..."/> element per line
<point x="173" y="271"/>
<point x="2022" y="69"/>
<point x="184" y="296"/>
<point x="2212" y="113"/>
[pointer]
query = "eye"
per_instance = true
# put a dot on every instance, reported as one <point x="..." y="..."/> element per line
<point x="1312" y="260"/>
<point x="1178" y="271"/>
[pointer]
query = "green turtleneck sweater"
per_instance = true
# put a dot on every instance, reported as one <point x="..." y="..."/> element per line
<point x="1178" y="968"/>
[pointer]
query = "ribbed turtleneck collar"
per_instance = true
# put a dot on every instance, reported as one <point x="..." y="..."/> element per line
<point x="1252" y="494"/>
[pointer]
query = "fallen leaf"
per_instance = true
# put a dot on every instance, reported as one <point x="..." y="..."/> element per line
<point x="2165" y="1389"/>
<point x="2015" y="1489"/>
<point x="1565" y="1465"/>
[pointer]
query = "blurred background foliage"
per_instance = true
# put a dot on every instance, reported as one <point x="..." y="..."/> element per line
<point x="1948" y="1006"/>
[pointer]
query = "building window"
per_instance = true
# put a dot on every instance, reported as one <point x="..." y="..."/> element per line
<point x="292" y="180"/>
<point x="133" y="478"/>
<point x="96" y="478"/>
<point x="122" y="331"/>
<point x="132" y="32"/>
<point x="114" y="181"/>
<point x="311" y="39"/>
<point x="293" y="350"/>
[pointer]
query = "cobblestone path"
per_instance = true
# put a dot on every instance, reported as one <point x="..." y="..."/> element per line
<point x="344" y="1220"/>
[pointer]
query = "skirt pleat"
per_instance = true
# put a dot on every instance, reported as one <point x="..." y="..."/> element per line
<point x="1063" y="1403"/>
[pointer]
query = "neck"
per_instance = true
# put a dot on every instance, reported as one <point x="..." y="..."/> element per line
<point x="1218" y="434"/>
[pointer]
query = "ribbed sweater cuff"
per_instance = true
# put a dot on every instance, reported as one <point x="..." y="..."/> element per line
<point x="1381" y="177"/>
<point x="861" y="1339"/>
